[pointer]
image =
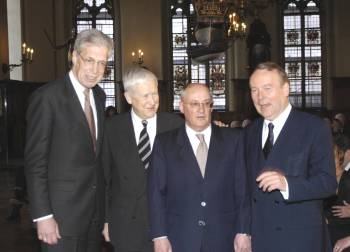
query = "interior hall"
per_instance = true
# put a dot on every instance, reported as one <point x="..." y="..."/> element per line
<point x="214" y="42"/>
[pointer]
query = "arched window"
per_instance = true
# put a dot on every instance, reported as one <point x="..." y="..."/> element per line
<point x="303" y="52"/>
<point x="99" y="14"/>
<point x="184" y="70"/>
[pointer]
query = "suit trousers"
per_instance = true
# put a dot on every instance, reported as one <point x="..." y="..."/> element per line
<point x="91" y="242"/>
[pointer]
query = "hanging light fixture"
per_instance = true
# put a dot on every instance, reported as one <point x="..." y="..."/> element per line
<point x="237" y="26"/>
<point x="232" y="14"/>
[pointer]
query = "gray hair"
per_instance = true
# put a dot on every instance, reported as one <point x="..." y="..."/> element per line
<point x="272" y="66"/>
<point x="137" y="75"/>
<point x="93" y="37"/>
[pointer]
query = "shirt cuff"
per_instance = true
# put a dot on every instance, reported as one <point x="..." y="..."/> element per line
<point x="160" y="237"/>
<point x="43" y="218"/>
<point x="285" y="194"/>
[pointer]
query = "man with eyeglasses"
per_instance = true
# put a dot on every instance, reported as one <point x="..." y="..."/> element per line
<point x="127" y="147"/>
<point x="197" y="183"/>
<point x="65" y="125"/>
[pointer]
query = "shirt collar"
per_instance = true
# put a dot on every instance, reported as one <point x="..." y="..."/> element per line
<point x="136" y="118"/>
<point x="192" y="134"/>
<point x="280" y="120"/>
<point x="76" y="84"/>
<point x="347" y="167"/>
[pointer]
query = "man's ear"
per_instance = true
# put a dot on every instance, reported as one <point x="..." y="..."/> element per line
<point x="128" y="97"/>
<point x="181" y="106"/>
<point x="74" y="58"/>
<point x="286" y="89"/>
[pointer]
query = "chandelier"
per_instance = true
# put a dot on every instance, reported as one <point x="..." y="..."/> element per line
<point x="231" y="14"/>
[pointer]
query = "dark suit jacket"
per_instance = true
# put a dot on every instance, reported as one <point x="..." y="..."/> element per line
<point x="339" y="227"/>
<point x="63" y="173"/>
<point x="196" y="213"/>
<point x="303" y="152"/>
<point x="126" y="182"/>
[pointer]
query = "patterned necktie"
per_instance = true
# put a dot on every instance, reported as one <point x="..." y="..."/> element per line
<point x="269" y="141"/>
<point x="144" y="146"/>
<point x="202" y="153"/>
<point x="90" y="116"/>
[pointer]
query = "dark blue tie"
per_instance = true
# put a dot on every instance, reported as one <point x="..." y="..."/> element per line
<point x="144" y="146"/>
<point x="269" y="141"/>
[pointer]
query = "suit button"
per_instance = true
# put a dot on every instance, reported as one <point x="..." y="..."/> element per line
<point x="278" y="229"/>
<point x="277" y="202"/>
<point x="254" y="200"/>
<point x="201" y="223"/>
<point x="94" y="187"/>
<point x="203" y="203"/>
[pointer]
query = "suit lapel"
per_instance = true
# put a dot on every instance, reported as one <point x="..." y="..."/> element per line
<point x="284" y="139"/>
<point x="76" y="111"/>
<point x="186" y="153"/>
<point x="215" y="153"/>
<point x="256" y="145"/>
<point x="99" y="103"/>
<point x="74" y="105"/>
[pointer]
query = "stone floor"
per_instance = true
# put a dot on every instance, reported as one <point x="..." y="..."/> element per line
<point x="16" y="236"/>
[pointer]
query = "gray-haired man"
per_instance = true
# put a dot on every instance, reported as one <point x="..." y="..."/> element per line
<point x="127" y="145"/>
<point x="65" y="124"/>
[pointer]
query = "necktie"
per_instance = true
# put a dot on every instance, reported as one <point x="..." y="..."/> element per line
<point x="202" y="153"/>
<point x="269" y="141"/>
<point x="90" y="116"/>
<point x="144" y="146"/>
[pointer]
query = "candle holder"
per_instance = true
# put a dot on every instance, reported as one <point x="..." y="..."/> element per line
<point x="27" y="58"/>
<point x="139" y="59"/>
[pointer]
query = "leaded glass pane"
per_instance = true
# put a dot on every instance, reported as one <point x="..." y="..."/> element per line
<point x="303" y="52"/>
<point x="212" y="73"/>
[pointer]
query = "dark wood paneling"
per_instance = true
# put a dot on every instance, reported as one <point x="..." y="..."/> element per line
<point x="4" y="47"/>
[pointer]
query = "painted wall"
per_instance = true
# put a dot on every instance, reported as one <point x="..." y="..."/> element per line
<point x="48" y="63"/>
<point x="141" y="29"/>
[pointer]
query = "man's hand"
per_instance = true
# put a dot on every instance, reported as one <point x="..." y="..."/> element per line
<point x="342" y="244"/>
<point x="105" y="233"/>
<point x="271" y="180"/>
<point x="220" y="123"/>
<point x="342" y="211"/>
<point x="242" y="243"/>
<point x="162" y="245"/>
<point x="48" y="231"/>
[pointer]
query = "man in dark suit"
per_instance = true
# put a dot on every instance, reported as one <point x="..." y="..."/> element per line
<point x="197" y="187"/>
<point x="290" y="160"/>
<point x="126" y="151"/>
<point x="64" y="137"/>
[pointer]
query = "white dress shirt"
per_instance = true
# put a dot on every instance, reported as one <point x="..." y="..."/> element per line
<point x="79" y="90"/>
<point x="151" y="127"/>
<point x="278" y="124"/>
<point x="194" y="139"/>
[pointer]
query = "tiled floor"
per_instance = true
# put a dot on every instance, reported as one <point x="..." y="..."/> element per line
<point x="16" y="236"/>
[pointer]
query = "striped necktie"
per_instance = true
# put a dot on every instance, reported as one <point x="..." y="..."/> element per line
<point x="144" y="146"/>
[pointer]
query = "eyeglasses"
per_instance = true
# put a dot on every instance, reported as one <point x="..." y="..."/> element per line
<point x="198" y="105"/>
<point x="89" y="62"/>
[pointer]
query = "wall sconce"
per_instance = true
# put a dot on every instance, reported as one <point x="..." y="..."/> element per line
<point x="27" y="58"/>
<point x="139" y="59"/>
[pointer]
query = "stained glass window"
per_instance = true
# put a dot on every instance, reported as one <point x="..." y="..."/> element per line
<point x="184" y="70"/>
<point x="303" y="52"/>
